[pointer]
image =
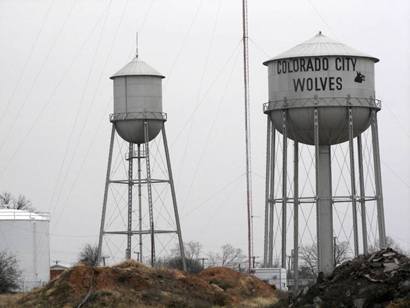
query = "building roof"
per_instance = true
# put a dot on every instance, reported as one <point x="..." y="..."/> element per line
<point x="58" y="267"/>
<point x="321" y="45"/>
<point x="12" y="214"/>
<point x="137" y="68"/>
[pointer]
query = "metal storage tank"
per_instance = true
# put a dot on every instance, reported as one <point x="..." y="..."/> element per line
<point x="25" y="235"/>
<point x="321" y="73"/>
<point x="137" y="96"/>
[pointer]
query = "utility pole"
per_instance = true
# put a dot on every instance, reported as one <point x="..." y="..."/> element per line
<point x="138" y="255"/>
<point x="290" y="263"/>
<point x="253" y="261"/>
<point x="247" y="129"/>
<point x="203" y="261"/>
<point x="103" y="259"/>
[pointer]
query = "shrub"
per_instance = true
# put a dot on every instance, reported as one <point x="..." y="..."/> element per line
<point x="193" y="266"/>
<point x="89" y="255"/>
<point x="10" y="275"/>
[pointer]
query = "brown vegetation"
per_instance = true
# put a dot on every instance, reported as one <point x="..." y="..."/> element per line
<point x="131" y="284"/>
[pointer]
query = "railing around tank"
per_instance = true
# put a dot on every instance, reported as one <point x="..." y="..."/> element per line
<point x="322" y="102"/>
<point x="138" y="116"/>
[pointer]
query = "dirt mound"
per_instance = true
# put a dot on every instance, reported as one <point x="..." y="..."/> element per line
<point x="381" y="279"/>
<point x="131" y="284"/>
<point x="238" y="286"/>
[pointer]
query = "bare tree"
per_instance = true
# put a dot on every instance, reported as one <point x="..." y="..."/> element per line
<point x="341" y="252"/>
<point x="308" y="254"/>
<point x="229" y="256"/>
<point x="5" y="199"/>
<point x="89" y="255"/>
<point x="390" y="242"/>
<point x="9" y="273"/>
<point x="276" y="261"/>
<point x="192" y="265"/>
<point x="9" y="202"/>
<point x="22" y="203"/>
<point x="193" y="250"/>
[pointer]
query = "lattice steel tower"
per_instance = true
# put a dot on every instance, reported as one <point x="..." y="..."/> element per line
<point x="321" y="96"/>
<point x="138" y="119"/>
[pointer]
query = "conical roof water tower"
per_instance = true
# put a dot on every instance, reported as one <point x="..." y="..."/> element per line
<point x="321" y="93"/>
<point x="138" y="119"/>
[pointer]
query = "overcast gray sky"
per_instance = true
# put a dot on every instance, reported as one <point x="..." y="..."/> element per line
<point x="55" y="97"/>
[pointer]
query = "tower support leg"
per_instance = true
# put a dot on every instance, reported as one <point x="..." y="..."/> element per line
<point x="378" y="180"/>
<point x="139" y="202"/>
<point x="362" y="193"/>
<point x="267" y="192"/>
<point x="272" y="197"/>
<point x="149" y="189"/>
<point x="284" y="187"/>
<point x="104" y="206"/>
<point x="353" y="185"/>
<point x="129" y="213"/>
<point x="296" y="214"/>
<point x="174" y="198"/>
<point x="323" y="202"/>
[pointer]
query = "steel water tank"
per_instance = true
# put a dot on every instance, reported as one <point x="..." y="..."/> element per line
<point x="324" y="74"/>
<point x="25" y="235"/>
<point x="137" y="97"/>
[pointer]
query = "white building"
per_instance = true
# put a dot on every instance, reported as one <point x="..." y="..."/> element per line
<point x="25" y="235"/>
<point x="272" y="276"/>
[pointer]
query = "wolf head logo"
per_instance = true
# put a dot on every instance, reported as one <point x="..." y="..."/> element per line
<point x="359" y="77"/>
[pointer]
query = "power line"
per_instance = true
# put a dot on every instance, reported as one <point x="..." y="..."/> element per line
<point x="49" y="100"/>
<point x="396" y="174"/>
<point x="42" y="66"/>
<point x="196" y="107"/>
<point x="28" y="59"/>
<point x="321" y="17"/>
<point x="210" y="130"/>
<point x="398" y="121"/>
<point x="185" y="37"/>
<point x="205" y="66"/>
<point x="213" y="195"/>
<point x="77" y="115"/>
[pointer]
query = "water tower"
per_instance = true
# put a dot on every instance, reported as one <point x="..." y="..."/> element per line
<point x="138" y="119"/>
<point x="321" y="94"/>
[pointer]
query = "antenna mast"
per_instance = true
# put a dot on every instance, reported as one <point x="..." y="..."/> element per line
<point x="247" y="129"/>
<point x="136" y="47"/>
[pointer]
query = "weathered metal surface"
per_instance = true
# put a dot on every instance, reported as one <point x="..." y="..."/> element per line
<point x="321" y="73"/>
<point x="137" y="94"/>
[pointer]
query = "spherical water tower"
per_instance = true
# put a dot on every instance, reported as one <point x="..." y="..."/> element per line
<point x="321" y="93"/>
<point x="138" y="119"/>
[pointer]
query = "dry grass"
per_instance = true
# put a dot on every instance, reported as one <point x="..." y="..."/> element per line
<point x="258" y="302"/>
<point x="10" y="300"/>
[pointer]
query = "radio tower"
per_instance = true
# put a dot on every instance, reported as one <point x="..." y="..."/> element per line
<point x="247" y="129"/>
